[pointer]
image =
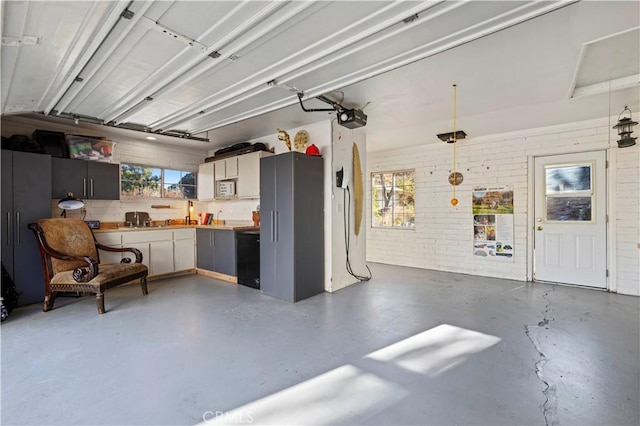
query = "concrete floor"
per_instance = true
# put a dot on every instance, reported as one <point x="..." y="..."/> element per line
<point x="409" y="347"/>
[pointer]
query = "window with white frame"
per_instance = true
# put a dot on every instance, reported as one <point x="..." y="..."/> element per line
<point x="393" y="199"/>
<point x="137" y="181"/>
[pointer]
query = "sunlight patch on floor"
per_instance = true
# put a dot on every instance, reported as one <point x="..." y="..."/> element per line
<point x="350" y="392"/>
<point x="339" y="394"/>
<point x="434" y="351"/>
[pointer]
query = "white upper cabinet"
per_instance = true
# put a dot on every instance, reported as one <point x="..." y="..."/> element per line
<point x="243" y="172"/>
<point x="249" y="174"/>
<point x="206" y="181"/>
<point x="227" y="168"/>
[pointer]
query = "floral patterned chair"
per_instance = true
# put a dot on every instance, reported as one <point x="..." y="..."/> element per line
<point x="71" y="261"/>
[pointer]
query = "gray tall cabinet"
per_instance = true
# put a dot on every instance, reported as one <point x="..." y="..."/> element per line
<point x="26" y="197"/>
<point x="291" y="226"/>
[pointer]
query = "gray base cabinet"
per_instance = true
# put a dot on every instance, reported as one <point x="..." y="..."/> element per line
<point x="216" y="250"/>
<point x="26" y="197"/>
<point x="91" y="180"/>
<point x="291" y="226"/>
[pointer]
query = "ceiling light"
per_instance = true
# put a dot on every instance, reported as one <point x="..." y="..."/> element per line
<point x="151" y="138"/>
<point x="448" y="137"/>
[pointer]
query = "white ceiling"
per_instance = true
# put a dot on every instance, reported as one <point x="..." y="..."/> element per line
<point x="230" y="70"/>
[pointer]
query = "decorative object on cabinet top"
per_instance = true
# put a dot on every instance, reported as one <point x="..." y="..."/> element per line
<point x="237" y="149"/>
<point x="300" y="140"/>
<point x="313" y="150"/>
<point x="283" y="136"/>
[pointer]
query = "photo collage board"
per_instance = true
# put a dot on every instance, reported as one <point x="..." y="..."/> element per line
<point x="493" y="223"/>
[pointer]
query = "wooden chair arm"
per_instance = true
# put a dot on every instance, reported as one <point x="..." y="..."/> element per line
<point x="80" y="275"/>
<point x="135" y="251"/>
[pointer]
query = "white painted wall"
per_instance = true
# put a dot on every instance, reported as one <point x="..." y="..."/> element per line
<point x="443" y="238"/>
<point x="343" y="140"/>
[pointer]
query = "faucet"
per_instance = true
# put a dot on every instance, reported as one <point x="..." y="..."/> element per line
<point x="218" y="216"/>
<point x="137" y="218"/>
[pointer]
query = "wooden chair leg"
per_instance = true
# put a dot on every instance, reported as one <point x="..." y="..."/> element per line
<point x="143" y="284"/>
<point x="100" y="302"/>
<point x="49" y="300"/>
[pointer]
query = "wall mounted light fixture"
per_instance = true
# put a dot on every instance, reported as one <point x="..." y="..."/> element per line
<point x="70" y="202"/>
<point x="625" y="128"/>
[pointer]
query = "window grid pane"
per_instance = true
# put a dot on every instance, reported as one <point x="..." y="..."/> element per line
<point x="565" y="209"/>
<point x="568" y="179"/>
<point x="152" y="182"/>
<point x="392" y="199"/>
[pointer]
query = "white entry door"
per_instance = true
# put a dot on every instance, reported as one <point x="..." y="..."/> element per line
<point x="570" y="219"/>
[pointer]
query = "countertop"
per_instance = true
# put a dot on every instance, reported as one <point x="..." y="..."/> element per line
<point x="228" y="225"/>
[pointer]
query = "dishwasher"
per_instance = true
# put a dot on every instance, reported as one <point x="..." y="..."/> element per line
<point x="248" y="258"/>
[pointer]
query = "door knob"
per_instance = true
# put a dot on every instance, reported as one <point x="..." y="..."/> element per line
<point x="539" y="228"/>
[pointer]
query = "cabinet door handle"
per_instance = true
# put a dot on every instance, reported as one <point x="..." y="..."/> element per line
<point x="91" y="186"/>
<point x="8" y="228"/>
<point x="272" y="226"/>
<point x="18" y="228"/>
<point x="277" y="231"/>
<point x="213" y="234"/>
<point x="84" y="187"/>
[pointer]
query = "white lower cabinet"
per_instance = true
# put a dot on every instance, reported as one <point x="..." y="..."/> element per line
<point x="163" y="251"/>
<point x="156" y="248"/>
<point x="184" y="249"/>
<point x="161" y="257"/>
<point x="111" y="240"/>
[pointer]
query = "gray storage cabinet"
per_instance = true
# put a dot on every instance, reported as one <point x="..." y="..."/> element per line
<point x="26" y="197"/>
<point x="216" y="250"/>
<point x="85" y="179"/>
<point x="291" y="226"/>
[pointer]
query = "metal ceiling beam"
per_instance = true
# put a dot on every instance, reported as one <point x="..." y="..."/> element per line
<point x="15" y="64"/>
<point x="466" y="35"/>
<point x="233" y="47"/>
<point x="401" y="60"/>
<point x="260" y="79"/>
<point x="92" y="67"/>
<point x="156" y="85"/>
<point x="87" y="54"/>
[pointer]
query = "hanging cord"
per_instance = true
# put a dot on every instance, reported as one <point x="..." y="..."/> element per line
<point x="455" y="140"/>
<point x="347" y="236"/>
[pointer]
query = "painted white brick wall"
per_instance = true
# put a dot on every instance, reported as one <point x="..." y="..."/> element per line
<point x="442" y="238"/>
<point x="627" y="220"/>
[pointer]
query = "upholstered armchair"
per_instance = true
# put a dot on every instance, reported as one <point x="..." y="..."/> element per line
<point x="71" y="261"/>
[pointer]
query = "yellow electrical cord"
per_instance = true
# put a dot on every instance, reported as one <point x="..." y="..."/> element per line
<point x="454" y="200"/>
